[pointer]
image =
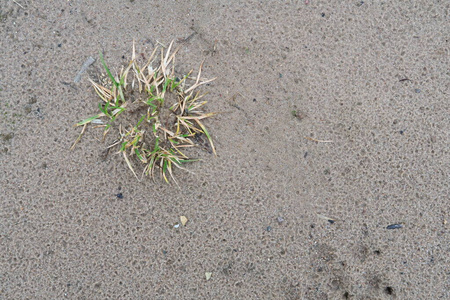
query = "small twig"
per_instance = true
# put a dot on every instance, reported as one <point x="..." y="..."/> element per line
<point x="18" y="4"/>
<point x="316" y="140"/>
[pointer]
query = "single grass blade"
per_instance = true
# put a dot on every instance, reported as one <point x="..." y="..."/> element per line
<point x="199" y="84"/>
<point x="200" y="117"/>
<point x="129" y="164"/>
<point x="107" y="70"/>
<point x="79" y="137"/>
<point x="170" y="173"/>
<point x="88" y="120"/>
<point x="207" y="135"/>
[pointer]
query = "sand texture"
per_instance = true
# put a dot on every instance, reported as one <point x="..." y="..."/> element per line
<point x="334" y="124"/>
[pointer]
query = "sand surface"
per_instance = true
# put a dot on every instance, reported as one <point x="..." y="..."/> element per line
<point x="276" y="215"/>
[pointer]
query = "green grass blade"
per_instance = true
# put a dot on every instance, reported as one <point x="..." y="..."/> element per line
<point x="107" y="70"/>
<point x="166" y="84"/>
<point x="188" y="160"/>
<point x="140" y="121"/>
<point x="123" y="147"/>
<point x="104" y="109"/>
<point x="156" y="148"/>
<point x="88" y="120"/>
<point x="138" y="154"/>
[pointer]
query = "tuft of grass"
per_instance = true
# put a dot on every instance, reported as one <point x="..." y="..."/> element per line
<point x="159" y="132"/>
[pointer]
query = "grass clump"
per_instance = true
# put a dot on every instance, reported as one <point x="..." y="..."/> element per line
<point x="154" y="113"/>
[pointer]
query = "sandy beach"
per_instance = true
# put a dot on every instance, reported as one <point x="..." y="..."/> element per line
<point x="331" y="179"/>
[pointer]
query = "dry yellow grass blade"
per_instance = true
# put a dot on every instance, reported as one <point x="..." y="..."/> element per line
<point x="129" y="164"/>
<point x="199" y="84"/>
<point x="200" y="117"/>
<point x="316" y="140"/>
<point x="104" y="93"/>
<point x="79" y="137"/>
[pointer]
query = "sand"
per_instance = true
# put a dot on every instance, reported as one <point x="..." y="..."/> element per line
<point x="334" y="125"/>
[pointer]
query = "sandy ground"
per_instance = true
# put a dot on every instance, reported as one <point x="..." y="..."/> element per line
<point x="370" y="76"/>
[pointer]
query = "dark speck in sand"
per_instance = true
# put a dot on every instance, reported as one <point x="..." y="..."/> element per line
<point x="394" y="226"/>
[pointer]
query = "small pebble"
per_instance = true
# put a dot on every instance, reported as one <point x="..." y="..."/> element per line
<point x="208" y="275"/>
<point x="417" y="91"/>
<point x="394" y="226"/>
<point x="269" y="228"/>
<point x="183" y="220"/>
<point x="119" y="195"/>
<point x="280" y="220"/>
<point x="176" y="226"/>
